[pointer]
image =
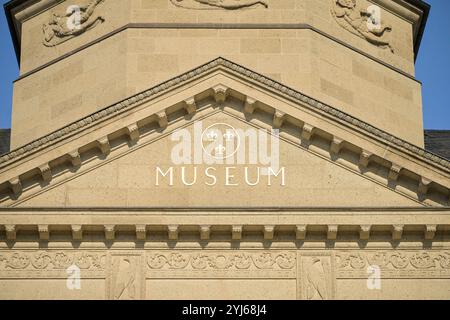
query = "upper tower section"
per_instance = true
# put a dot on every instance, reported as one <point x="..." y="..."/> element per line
<point x="79" y="56"/>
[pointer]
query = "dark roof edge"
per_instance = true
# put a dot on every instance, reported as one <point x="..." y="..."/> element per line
<point x="12" y="4"/>
<point x="9" y="7"/>
<point x="425" y="7"/>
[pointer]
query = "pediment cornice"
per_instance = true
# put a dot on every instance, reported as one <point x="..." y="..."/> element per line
<point x="220" y="80"/>
<point x="219" y="63"/>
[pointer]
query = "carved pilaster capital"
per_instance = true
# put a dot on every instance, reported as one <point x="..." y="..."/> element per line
<point x="190" y="106"/>
<point x="46" y="173"/>
<point x="16" y="186"/>
<point x="249" y="106"/>
<point x="336" y="146"/>
<point x="75" y="158"/>
<point x="77" y="232"/>
<point x="394" y="172"/>
<point x="173" y="231"/>
<point x="424" y="185"/>
<point x="307" y="132"/>
<point x="11" y="231"/>
<point x="300" y="232"/>
<point x="104" y="146"/>
<point x="141" y="232"/>
<point x="205" y="232"/>
<point x="236" y="232"/>
<point x="430" y="231"/>
<point x="110" y="232"/>
<point x="133" y="132"/>
<point x="397" y="231"/>
<point x="44" y="233"/>
<point x="269" y="232"/>
<point x="332" y="232"/>
<point x="163" y="121"/>
<point x="278" y="119"/>
<point x="364" y="232"/>
<point x="220" y="93"/>
<point x="364" y="158"/>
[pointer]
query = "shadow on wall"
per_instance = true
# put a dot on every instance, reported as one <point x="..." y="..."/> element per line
<point x="5" y="136"/>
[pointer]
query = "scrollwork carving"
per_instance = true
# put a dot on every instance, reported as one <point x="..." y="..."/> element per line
<point x="394" y="260"/>
<point x="222" y="261"/>
<point x="47" y="260"/>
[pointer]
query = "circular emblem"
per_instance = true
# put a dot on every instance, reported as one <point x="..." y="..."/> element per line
<point x="220" y="141"/>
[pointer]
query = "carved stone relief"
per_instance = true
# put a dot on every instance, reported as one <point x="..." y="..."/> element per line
<point x="51" y="264"/>
<point x="126" y="279"/>
<point x="75" y="21"/>
<point x="47" y="260"/>
<point x="316" y="279"/>
<point x="210" y="264"/>
<point x="219" y="4"/>
<point x="356" y="20"/>
<point x="394" y="264"/>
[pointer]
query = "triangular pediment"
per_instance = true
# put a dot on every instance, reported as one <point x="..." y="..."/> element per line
<point x="109" y="158"/>
<point x="136" y="179"/>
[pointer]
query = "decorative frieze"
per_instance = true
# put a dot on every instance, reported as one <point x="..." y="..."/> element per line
<point x="226" y="260"/>
<point x="393" y="263"/>
<point x="51" y="260"/>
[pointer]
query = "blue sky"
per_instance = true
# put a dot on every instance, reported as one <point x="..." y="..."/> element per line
<point x="433" y="68"/>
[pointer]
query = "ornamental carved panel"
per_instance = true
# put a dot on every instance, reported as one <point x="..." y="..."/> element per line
<point x="126" y="279"/>
<point x="239" y="264"/>
<point x="316" y="276"/>
<point x="394" y="264"/>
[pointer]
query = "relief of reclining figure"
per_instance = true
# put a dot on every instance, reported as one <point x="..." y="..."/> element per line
<point x="64" y="27"/>
<point x="224" y="4"/>
<point x="357" y="21"/>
